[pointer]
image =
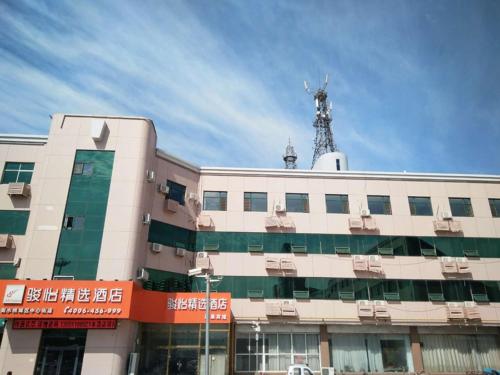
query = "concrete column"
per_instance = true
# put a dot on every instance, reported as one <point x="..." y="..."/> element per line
<point x="416" y="350"/>
<point x="19" y="350"/>
<point x="324" y="350"/>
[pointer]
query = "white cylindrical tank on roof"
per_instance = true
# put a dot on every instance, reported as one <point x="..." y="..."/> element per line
<point x="331" y="161"/>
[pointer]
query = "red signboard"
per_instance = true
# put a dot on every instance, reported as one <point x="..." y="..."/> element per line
<point x="64" y="324"/>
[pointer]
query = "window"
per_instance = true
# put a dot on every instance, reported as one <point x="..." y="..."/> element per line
<point x="297" y="202"/>
<point x="379" y="204"/>
<point x="255" y="202"/>
<point x="176" y="192"/>
<point x="85" y="169"/>
<point x="494" y="207"/>
<point x="215" y="200"/>
<point x="461" y="207"/>
<point x="337" y="204"/>
<point x="420" y="206"/>
<point x="17" y="172"/>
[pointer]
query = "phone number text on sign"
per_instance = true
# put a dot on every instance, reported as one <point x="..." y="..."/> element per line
<point x="91" y="311"/>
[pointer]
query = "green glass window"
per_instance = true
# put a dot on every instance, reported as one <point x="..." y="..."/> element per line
<point x="297" y="202"/>
<point x="379" y="204"/>
<point x="494" y="207"/>
<point x="177" y="192"/>
<point x="215" y="200"/>
<point x="420" y="206"/>
<point x="255" y="202"/>
<point x="17" y="172"/>
<point x="337" y="204"/>
<point x="13" y="221"/>
<point x="461" y="207"/>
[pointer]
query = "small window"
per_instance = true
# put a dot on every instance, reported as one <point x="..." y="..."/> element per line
<point x="337" y="161"/>
<point x="215" y="200"/>
<point x="337" y="204"/>
<point x="379" y="204"/>
<point x="461" y="207"/>
<point x="85" y="169"/>
<point x="420" y="206"/>
<point x="17" y="172"/>
<point x="494" y="207"/>
<point x="176" y="192"/>
<point x="255" y="202"/>
<point x="297" y="202"/>
<point x="74" y="222"/>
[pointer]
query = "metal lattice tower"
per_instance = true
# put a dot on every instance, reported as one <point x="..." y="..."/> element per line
<point x="323" y="142"/>
<point x="290" y="156"/>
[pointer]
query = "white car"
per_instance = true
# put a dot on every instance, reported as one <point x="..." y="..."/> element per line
<point x="299" y="370"/>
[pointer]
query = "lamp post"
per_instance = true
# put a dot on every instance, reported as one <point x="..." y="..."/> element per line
<point x="207" y="322"/>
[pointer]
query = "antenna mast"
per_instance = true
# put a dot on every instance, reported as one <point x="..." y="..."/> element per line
<point x="323" y="142"/>
<point x="290" y="156"/>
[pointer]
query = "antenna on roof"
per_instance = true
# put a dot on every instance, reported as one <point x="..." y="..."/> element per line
<point x="290" y="156"/>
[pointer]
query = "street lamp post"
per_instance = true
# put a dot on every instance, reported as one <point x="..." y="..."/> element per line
<point x="207" y="322"/>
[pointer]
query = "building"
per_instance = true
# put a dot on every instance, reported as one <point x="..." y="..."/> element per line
<point x="361" y="271"/>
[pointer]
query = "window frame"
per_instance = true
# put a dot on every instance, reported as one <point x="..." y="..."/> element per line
<point x="249" y="200"/>
<point x="414" y="211"/>
<point x="343" y="201"/>
<point x="386" y="202"/>
<point x="222" y="200"/>
<point x="297" y="198"/>
<point x="19" y="170"/>
<point x="465" y="205"/>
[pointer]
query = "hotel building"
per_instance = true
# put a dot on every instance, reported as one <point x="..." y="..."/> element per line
<point x="359" y="271"/>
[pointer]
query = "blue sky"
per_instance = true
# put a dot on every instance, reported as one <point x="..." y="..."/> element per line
<point x="415" y="85"/>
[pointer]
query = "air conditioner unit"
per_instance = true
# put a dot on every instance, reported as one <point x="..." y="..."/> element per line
<point x="205" y="221"/>
<point x="202" y="260"/>
<point x="471" y="311"/>
<point x="146" y="218"/>
<point x="359" y="263"/>
<point x="156" y="247"/>
<point x="150" y="175"/>
<point x="446" y="215"/>
<point x="193" y="197"/>
<point x="180" y="252"/>
<point x="272" y="264"/>
<point x="6" y="241"/>
<point x="375" y="264"/>
<point x="369" y="223"/>
<point x="441" y="226"/>
<point x="355" y="223"/>
<point x="364" y="212"/>
<point x="327" y="371"/>
<point x="455" y="310"/>
<point x="273" y="308"/>
<point x="287" y="265"/>
<point x="448" y="265"/>
<point x="164" y="189"/>
<point x="455" y="226"/>
<point x="462" y="265"/>
<point x="288" y="308"/>
<point x="365" y="309"/>
<point x="19" y="189"/>
<point x="279" y="208"/>
<point x="142" y="274"/>
<point x="381" y="310"/>
<point x="171" y="205"/>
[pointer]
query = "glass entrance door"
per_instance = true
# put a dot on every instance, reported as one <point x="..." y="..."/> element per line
<point x="64" y="360"/>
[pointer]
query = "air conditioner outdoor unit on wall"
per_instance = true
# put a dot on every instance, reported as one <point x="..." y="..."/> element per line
<point x="180" y="252"/>
<point x="202" y="260"/>
<point x="142" y="274"/>
<point x="164" y="189"/>
<point x="364" y="212"/>
<point x="146" y="218"/>
<point x="156" y="247"/>
<point x="327" y="371"/>
<point x="150" y="175"/>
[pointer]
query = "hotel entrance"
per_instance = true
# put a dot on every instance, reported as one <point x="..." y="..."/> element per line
<point x="61" y="352"/>
<point x="175" y="349"/>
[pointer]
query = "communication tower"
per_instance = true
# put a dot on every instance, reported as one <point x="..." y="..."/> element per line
<point x="323" y="143"/>
<point x="290" y="156"/>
